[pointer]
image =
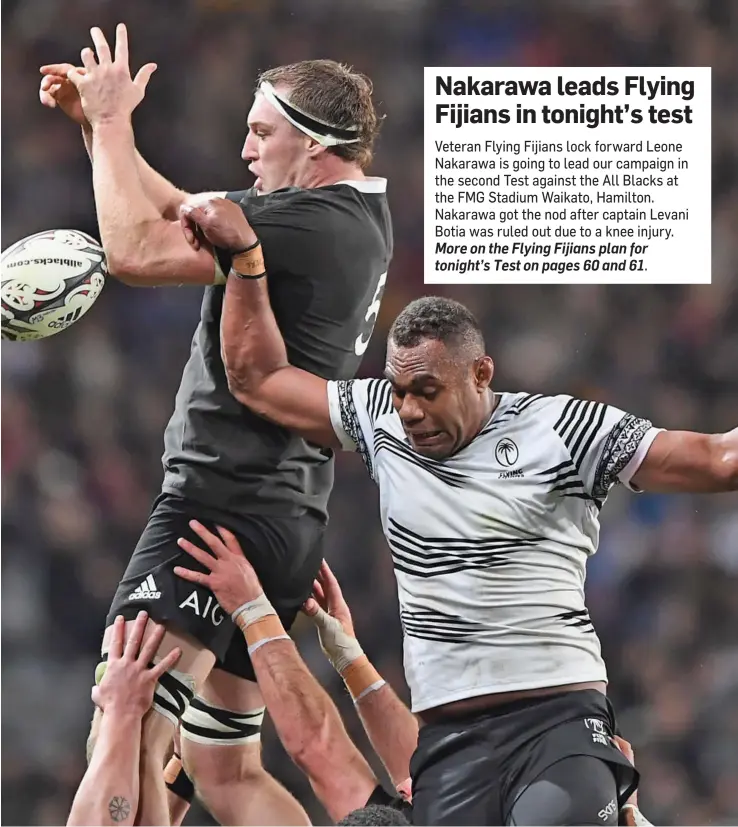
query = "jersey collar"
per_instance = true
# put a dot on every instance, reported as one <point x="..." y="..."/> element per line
<point x="367" y="184"/>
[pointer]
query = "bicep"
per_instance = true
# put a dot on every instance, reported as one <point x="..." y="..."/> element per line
<point x="165" y="258"/>
<point x="297" y="400"/>
<point x="681" y="461"/>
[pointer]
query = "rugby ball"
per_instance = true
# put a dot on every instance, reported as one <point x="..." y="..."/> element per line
<point x="49" y="281"/>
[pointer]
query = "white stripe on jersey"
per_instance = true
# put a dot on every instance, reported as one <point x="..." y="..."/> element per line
<point x="490" y="545"/>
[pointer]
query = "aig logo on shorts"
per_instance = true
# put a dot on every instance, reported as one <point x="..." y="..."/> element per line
<point x="211" y="610"/>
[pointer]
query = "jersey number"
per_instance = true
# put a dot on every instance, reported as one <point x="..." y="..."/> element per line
<point x="362" y="340"/>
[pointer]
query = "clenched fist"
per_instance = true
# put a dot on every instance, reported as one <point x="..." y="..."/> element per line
<point x="220" y="221"/>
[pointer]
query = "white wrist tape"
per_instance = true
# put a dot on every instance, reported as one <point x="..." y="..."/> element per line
<point x="340" y="648"/>
<point x="253" y="610"/>
<point x="371" y="688"/>
<point x="260" y="643"/>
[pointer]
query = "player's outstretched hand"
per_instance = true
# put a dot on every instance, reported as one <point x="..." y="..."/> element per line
<point x="330" y="613"/>
<point x="229" y="575"/>
<point x="220" y="221"/>
<point x="128" y="684"/>
<point x="106" y="90"/>
<point x="56" y="90"/>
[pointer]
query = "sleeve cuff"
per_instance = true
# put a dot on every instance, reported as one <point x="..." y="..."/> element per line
<point x="636" y="460"/>
<point x="334" y="406"/>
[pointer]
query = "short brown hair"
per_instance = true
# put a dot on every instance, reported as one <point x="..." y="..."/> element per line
<point x="335" y="94"/>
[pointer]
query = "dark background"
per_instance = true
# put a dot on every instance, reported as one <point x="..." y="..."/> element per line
<point x="83" y="413"/>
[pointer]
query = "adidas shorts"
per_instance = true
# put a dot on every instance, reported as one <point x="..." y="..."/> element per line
<point x="286" y="553"/>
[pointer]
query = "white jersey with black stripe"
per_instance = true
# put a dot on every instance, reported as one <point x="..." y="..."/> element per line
<point x="490" y="545"/>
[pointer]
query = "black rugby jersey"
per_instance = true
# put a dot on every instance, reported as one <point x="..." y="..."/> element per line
<point x="327" y="251"/>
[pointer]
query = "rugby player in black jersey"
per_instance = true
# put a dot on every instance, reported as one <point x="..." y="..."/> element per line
<point x="326" y="236"/>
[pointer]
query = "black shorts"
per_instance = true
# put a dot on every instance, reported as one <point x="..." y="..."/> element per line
<point x="471" y="770"/>
<point x="285" y="552"/>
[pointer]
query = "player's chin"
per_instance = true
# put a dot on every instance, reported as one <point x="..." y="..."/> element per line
<point x="438" y="445"/>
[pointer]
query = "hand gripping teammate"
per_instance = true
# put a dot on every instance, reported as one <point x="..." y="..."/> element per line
<point x="306" y="719"/>
<point x="490" y="505"/>
<point x="325" y="230"/>
<point x="109" y="791"/>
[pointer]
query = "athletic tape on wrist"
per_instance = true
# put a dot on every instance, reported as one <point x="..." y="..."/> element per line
<point x="259" y="623"/>
<point x="260" y="643"/>
<point x="252" y="610"/>
<point x="373" y="688"/>
<point x="361" y="678"/>
<point x="249" y="264"/>
<point x="341" y="648"/>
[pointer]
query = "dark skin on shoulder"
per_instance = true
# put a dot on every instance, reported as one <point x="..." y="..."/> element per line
<point x="441" y="393"/>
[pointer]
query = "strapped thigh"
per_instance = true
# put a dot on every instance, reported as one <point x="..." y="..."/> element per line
<point x="206" y="723"/>
<point x="173" y="694"/>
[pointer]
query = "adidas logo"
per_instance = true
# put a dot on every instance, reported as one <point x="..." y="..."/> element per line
<point x="146" y="590"/>
<point x="65" y="321"/>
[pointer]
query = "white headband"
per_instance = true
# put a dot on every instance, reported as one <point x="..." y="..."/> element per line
<point x="324" y="133"/>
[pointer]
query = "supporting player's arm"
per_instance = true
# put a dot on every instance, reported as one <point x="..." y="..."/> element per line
<point x="108" y="793"/>
<point x="306" y="719"/>
<point x="683" y="461"/>
<point x="391" y="727"/>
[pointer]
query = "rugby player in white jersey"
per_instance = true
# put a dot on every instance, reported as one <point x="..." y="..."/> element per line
<point x="490" y="505"/>
<point x="305" y="718"/>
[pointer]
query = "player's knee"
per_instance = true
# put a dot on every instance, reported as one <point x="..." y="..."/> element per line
<point x="210" y="766"/>
<point x="219" y="745"/>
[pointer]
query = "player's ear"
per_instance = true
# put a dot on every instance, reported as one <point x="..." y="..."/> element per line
<point x="483" y="373"/>
<point x="314" y="149"/>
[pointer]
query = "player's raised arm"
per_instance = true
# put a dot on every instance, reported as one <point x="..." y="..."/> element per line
<point x="391" y="727"/>
<point x="253" y="349"/>
<point x="142" y="246"/>
<point x="306" y="720"/>
<point x="56" y="91"/>
<point x="690" y="462"/>
<point x="609" y="445"/>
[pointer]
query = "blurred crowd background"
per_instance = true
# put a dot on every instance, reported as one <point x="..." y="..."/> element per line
<point x="83" y="413"/>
